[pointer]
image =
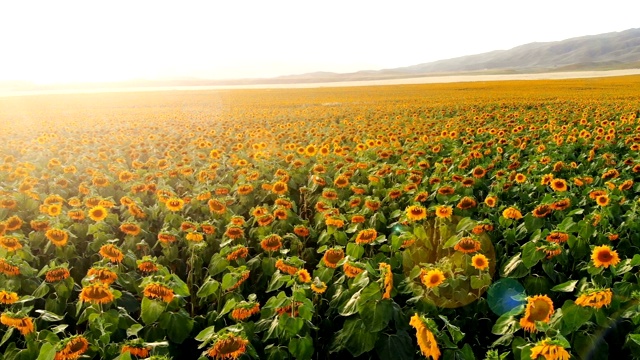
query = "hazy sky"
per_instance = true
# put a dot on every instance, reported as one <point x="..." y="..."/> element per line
<point x="68" y="41"/>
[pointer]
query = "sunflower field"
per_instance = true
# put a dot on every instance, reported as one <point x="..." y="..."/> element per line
<point x="492" y="221"/>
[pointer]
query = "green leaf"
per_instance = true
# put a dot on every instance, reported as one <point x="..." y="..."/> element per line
<point x="47" y="352"/>
<point x="453" y="240"/>
<point x="206" y="334"/>
<point x="454" y="331"/>
<point x="354" y="337"/>
<point x="7" y="336"/>
<point x="636" y="260"/>
<point x="178" y="326"/>
<point x="465" y="224"/>
<point x="376" y="314"/>
<point x="151" y="310"/>
<point x="301" y="348"/>
<point x="349" y="307"/>
<point x="179" y="286"/>
<point x="41" y="291"/>
<point x="134" y="329"/>
<point x="573" y="317"/>
<point x="230" y="304"/>
<point x="531" y="255"/>
<point x="208" y="288"/>
<point x="398" y="346"/>
<point x="506" y="324"/>
<point x="354" y="250"/>
<point x="49" y="316"/>
<point x="568" y="286"/>
<point x="514" y="268"/>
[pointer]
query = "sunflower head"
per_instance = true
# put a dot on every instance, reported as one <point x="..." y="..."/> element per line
<point x="603" y="256"/>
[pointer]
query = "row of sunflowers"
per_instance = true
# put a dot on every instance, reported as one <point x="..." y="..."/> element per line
<point x="454" y="221"/>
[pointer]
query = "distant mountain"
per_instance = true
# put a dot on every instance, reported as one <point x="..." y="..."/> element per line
<point x="610" y="51"/>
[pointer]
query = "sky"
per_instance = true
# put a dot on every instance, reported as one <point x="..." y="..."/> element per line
<point x="99" y="41"/>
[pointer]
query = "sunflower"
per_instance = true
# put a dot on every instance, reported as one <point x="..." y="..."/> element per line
<point x="217" y="206"/>
<point x="480" y="262"/>
<point x="421" y="196"/>
<point x="8" y="297"/>
<point x="280" y="188"/>
<point x="281" y="213"/>
<point x="372" y="205"/>
<point x="239" y="251"/>
<point x="71" y="348"/>
<point x="265" y="220"/>
<point x="208" y="228"/>
<point x="166" y="238"/>
<point x="147" y="266"/>
<point x="466" y="203"/>
<point x="243" y="276"/>
<point x="130" y="229"/>
<point x="271" y="242"/>
<point x="57" y="274"/>
<point x="538" y="308"/>
<point x="444" y="211"/>
<point x="301" y="230"/>
<point x="103" y="275"/>
<point x="520" y="178"/>
<point x="96" y="293"/>
<point x="542" y="211"/>
<point x="10" y="243"/>
<point x="595" y="298"/>
<point x="332" y="257"/>
<point x="512" y="213"/>
<point x="561" y="205"/>
<point x="98" y="213"/>
<point x="228" y="346"/>
<point x="158" y="291"/>
<point x="76" y="215"/>
<point x="285" y="267"/>
<point x="341" y="181"/>
<point x="626" y="185"/>
<point x="237" y="220"/>
<point x="329" y="194"/>
<point x="23" y="323"/>
<point x="318" y="286"/>
<point x="8" y="268"/>
<point x="303" y="276"/>
<point x="446" y="190"/>
<point x="432" y="278"/>
<point x="416" y="212"/>
<point x="13" y="223"/>
<point x="234" y="232"/>
<point x="558" y="237"/>
<point x="426" y="340"/>
<point x="604" y="256"/>
<point x="37" y="225"/>
<point x="385" y="270"/>
<point x="245" y="310"/>
<point x="491" y="201"/>
<point x="546" y="179"/>
<point x="136" y="348"/>
<point x="559" y="185"/>
<point x="352" y="270"/>
<point x="112" y="253"/>
<point x="478" y="172"/>
<point x="194" y="236"/>
<point x="366" y="236"/>
<point x="334" y="221"/>
<point x="550" y="350"/>
<point x="174" y="204"/>
<point x="603" y="200"/>
<point x="467" y="245"/>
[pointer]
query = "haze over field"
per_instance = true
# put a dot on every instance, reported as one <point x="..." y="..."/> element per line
<point x="75" y="41"/>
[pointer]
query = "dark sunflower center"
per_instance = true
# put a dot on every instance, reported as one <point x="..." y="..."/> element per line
<point x="604" y="256"/>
